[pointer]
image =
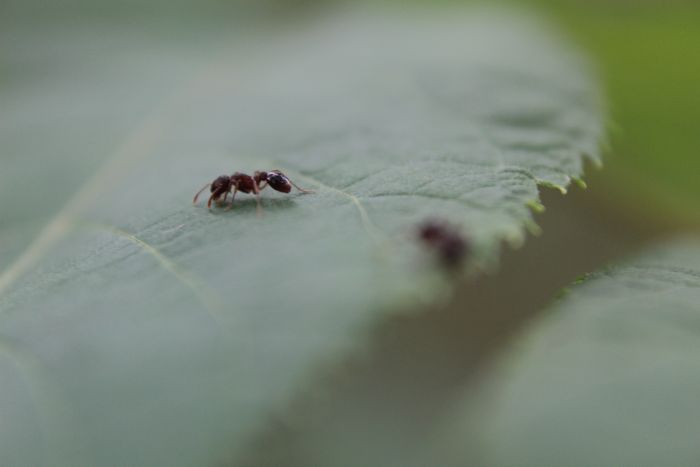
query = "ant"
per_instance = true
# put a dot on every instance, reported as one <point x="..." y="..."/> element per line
<point x="446" y="240"/>
<point x="224" y="184"/>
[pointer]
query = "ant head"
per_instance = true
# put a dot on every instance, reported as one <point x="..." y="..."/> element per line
<point x="222" y="183"/>
<point x="279" y="181"/>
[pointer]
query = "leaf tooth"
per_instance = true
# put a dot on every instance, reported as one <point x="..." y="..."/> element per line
<point x="536" y="206"/>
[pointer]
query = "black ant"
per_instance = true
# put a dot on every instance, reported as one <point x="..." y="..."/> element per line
<point x="447" y="241"/>
<point x="224" y="184"/>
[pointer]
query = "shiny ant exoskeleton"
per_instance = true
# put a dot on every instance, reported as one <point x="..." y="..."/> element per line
<point x="277" y="181"/>
<point x="224" y="184"/>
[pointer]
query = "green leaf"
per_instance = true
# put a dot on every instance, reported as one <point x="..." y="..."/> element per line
<point x="609" y="377"/>
<point x="138" y="329"/>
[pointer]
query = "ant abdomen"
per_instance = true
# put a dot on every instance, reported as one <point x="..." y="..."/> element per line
<point x="222" y="184"/>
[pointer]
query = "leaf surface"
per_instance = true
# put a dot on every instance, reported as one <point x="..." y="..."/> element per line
<point x="608" y="378"/>
<point x="140" y="330"/>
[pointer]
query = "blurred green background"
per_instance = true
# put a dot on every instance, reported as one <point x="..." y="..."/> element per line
<point x="648" y="54"/>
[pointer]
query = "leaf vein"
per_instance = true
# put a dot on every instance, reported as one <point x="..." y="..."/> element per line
<point x="205" y="295"/>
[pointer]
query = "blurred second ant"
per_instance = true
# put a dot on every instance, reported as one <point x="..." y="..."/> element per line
<point x="446" y="240"/>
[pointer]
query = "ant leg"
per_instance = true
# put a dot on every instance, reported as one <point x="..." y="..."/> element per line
<point x="194" y="201"/>
<point x="213" y="196"/>
<point x="262" y="186"/>
<point x="256" y="190"/>
<point x="233" y="197"/>
<point x="220" y="202"/>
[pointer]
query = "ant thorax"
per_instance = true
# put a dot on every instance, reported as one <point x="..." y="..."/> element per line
<point x="244" y="182"/>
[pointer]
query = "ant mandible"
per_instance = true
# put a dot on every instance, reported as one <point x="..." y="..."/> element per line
<point x="224" y="184"/>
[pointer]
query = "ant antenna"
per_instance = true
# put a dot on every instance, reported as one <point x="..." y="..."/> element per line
<point x="303" y="190"/>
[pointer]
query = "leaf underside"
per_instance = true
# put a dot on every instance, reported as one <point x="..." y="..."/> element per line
<point x="609" y="377"/>
<point x="137" y="329"/>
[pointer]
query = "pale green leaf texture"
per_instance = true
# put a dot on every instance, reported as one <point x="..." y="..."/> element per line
<point x="137" y="329"/>
<point x="609" y="378"/>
